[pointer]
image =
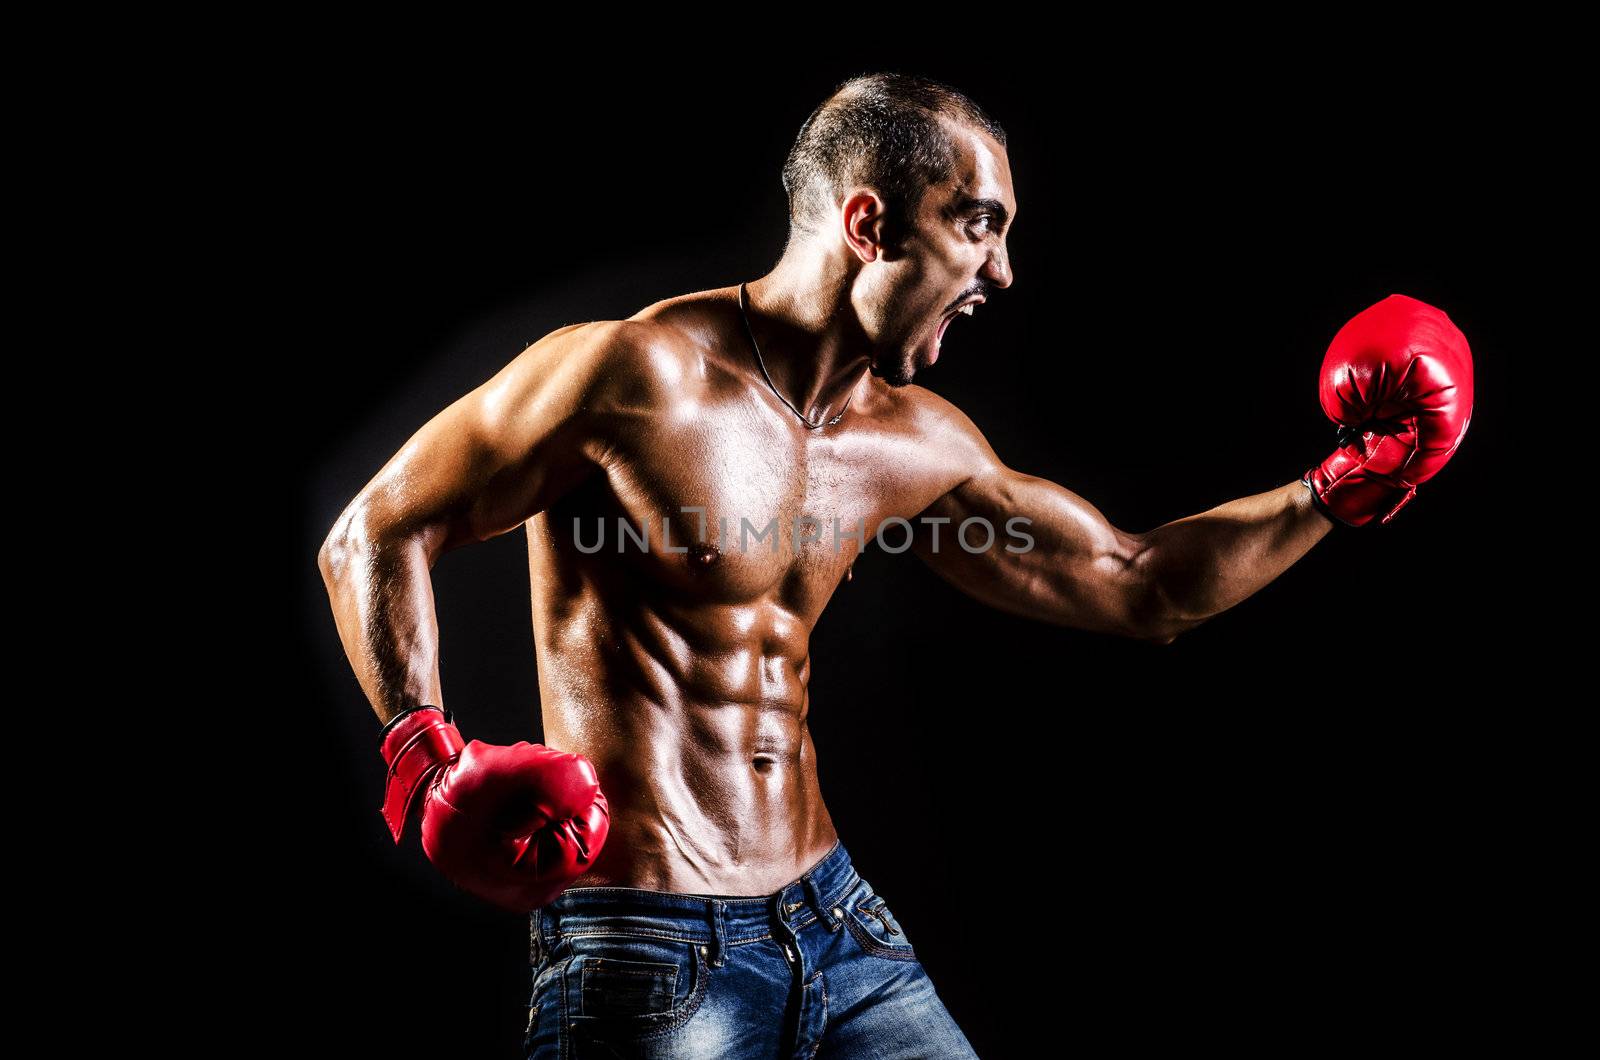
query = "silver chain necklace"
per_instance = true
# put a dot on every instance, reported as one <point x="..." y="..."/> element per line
<point x="762" y="362"/>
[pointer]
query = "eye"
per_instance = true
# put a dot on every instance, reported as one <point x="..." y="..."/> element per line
<point x="982" y="225"/>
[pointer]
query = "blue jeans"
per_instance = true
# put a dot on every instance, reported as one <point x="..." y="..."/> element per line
<point x="821" y="968"/>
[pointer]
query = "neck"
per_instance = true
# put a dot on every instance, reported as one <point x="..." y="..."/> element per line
<point x="811" y="342"/>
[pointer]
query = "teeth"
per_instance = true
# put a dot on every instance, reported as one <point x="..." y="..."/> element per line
<point x="967" y="309"/>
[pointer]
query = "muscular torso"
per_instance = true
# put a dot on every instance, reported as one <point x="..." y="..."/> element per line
<point x="683" y="675"/>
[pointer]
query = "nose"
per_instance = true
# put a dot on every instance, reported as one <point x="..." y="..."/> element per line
<point x="997" y="268"/>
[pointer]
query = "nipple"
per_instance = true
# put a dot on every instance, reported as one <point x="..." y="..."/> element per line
<point x="703" y="557"/>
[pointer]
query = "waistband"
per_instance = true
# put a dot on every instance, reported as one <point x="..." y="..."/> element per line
<point x="713" y="920"/>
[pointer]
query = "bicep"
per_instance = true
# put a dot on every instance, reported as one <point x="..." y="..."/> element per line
<point x="502" y="453"/>
<point x="1053" y="556"/>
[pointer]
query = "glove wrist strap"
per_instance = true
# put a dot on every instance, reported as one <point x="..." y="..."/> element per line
<point x="383" y="734"/>
<point x="416" y="744"/>
<point x="1354" y="497"/>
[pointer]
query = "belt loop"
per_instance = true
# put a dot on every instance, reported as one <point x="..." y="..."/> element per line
<point x="823" y="913"/>
<point x="719" y="933"/>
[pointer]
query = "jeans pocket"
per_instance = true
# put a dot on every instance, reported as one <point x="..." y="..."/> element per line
<point x="874" y="926"/>
<point x="628" y="988"/>
<point x="625" y="991"/>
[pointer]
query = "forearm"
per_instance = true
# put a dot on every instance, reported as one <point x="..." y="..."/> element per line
<point x="1201" y="565"/>
<point x="381" y="592"/>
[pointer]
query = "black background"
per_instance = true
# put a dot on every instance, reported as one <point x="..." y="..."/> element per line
<point x="1291" y="817"/>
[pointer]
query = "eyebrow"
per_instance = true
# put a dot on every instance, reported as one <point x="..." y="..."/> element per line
<point x="967" y="205"/>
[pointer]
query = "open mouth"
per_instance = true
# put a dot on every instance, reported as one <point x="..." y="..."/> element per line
<point x="944" y="322"/>
<point x="966" y="309"/>
<point x="969" y="305"/>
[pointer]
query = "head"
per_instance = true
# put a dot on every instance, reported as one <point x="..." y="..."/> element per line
<point x="906" y="181"/>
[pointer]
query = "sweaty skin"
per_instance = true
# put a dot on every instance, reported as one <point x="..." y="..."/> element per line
<point x="684" y="675"/>
<point x="682" y="671"/>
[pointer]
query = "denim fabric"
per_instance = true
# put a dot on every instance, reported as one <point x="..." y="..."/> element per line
<point x="821" y="968"/>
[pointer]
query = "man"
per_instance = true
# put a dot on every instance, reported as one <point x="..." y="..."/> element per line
<point x="689" y="894"/>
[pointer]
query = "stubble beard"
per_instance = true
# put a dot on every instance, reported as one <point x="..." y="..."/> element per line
<point x="896" y="365"/>
<point x="897" y="372"/>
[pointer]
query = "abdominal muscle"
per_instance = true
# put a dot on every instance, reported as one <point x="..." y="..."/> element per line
<point x="707" y="799"/>
<point x="686" y="687"/>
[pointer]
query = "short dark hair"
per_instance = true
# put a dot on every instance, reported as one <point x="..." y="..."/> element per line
<point x="881" y="130"/>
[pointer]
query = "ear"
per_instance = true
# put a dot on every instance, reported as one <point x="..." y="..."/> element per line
<point x="861" y="217"/>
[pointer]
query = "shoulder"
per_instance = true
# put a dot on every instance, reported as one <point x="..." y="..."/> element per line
<point x="604" y="363"/>
<point x="670" y="347"/>
<point x="635" y="347"/>
<point x="939" y="427"/>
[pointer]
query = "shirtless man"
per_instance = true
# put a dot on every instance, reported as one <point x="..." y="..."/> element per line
<point x="689" y="895"/>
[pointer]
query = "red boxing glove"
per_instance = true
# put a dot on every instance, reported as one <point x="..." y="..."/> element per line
<point x="1398" y="381"/>
<point x="513" y="825"/>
